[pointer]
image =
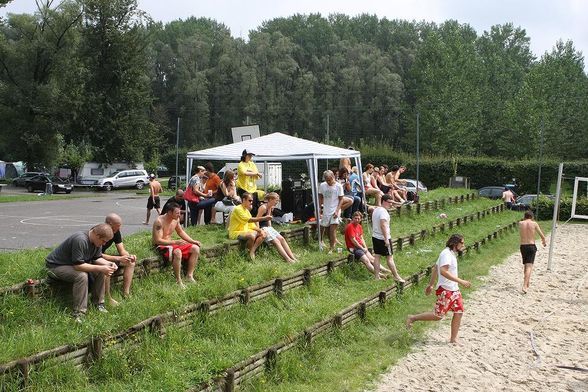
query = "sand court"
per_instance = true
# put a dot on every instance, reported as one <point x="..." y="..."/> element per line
<point x="497" y="352"/>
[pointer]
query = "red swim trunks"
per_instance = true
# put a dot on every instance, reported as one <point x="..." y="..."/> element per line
<point x="448" y="300"/>
<point x="167" y="250"/>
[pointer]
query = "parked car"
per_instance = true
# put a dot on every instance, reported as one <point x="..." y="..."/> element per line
<point x="39" y="183"/>
<point x="493" y="192"/>
<point x="411" y="185"/>
<point x="526" y="201"/>
<point x="173" y="180"/>
<point x="20" y="180"/>
<point x="124" y="179"/>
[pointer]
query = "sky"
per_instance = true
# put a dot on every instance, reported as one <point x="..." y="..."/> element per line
<point x="545" y="21"/>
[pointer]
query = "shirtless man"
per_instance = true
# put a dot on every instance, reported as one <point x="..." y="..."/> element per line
<point x="398" y="192"/>
<point x="527" y="229"/>
<point x="508" y="198"/>
<point x="153" y="201"/>
<point x="186" y="249"/>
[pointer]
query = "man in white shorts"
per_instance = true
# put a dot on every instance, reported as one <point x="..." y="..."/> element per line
<point x="332" y="201"/>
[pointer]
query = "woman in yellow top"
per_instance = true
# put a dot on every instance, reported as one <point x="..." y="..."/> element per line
<point x="243" y="226"/>
<point x="247" y="176"/>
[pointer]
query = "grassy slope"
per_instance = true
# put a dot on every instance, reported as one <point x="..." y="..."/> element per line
<point x="180" y="360"/>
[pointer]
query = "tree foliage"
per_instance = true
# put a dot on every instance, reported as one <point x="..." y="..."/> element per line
<point x="102" y="74"/>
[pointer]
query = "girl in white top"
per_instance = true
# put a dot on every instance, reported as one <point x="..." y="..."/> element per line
<point x="447" y="288"/>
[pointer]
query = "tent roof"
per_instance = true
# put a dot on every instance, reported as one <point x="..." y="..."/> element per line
<point x="274" y="147"/>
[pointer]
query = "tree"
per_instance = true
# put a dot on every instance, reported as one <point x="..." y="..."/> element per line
<point x="74" y="156"/>
<point x="35" y="53"/>
<point x="554" y="98"/>
<point x="506" y="59"/>
<point x="117" y="94"/>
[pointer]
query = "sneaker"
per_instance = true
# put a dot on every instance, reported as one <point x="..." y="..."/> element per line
<point x="78" y="317"/>
<point x="101" y="308"/>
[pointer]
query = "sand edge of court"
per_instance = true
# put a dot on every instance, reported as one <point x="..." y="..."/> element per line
<point x="496" y="350"/>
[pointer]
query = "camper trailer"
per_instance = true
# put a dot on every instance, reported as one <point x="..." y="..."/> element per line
<point x="91" y="172"/>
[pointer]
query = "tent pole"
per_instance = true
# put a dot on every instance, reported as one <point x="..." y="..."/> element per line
<point x="188" y="171"/>
<point x="315" y="199"/>
<point x="265" y="170"/>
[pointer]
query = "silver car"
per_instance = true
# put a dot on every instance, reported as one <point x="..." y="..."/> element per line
<point x="411" y="185"/>
<point x="124" y="179"/>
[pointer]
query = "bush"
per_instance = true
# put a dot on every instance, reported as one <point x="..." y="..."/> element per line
<point x="565" y="208"/>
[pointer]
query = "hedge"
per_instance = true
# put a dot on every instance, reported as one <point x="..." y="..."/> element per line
<point x="436" y="171"/>
<point x="565" y="208"/>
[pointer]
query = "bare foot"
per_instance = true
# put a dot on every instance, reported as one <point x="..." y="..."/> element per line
<point x="181" y="284"/>
<point x="190" y="279"/>
<point x="455" y="342"/>
<point x="399" y="279"/>
<point x="252" y="255"/>
<point x="409" y="322"/>
<point x="524" y="290"/>
<point x="112" y="302"/>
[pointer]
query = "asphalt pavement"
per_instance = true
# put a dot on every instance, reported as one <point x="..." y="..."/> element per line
<point x="41" y="224"/>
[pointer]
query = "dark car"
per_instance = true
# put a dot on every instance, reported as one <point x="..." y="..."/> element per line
<point x="526" y="201"/>
<point x="39" y="183"/>
<point x="493" y="192"/>
<point x="22" y="179"/>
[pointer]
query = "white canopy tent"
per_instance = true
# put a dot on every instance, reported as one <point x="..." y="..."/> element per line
<point x="280" y="147"/>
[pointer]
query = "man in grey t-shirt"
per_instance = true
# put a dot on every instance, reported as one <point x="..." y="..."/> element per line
<point x="77" y="257"/>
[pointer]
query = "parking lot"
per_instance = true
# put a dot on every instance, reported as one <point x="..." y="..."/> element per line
<point x="47" y="223"/>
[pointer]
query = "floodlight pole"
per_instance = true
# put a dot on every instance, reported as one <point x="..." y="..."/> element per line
<point x="540" y="164"/>
<point x="555" y="214"/>
<point x="177" y="152"/>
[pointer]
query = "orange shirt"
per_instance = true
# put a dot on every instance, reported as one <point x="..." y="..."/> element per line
<point x="212" y="183"/>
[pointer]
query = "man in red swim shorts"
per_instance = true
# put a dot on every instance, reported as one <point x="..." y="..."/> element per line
<point x="448" y="294"/>
<point x="186" y="249"/>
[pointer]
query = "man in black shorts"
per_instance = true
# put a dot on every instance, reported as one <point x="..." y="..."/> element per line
<point x="153" y="202"/>
<point x="527" y="229"/>
<point x="381" y="238"/>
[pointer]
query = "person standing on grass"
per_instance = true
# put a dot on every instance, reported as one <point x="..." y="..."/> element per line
<point x="447" y="288"/>
<point x="153" y="202"/>
<point x="356" y="245"/>
<point x="333" y="203"/>
<point x="527" y="229"/>
<point x="124" y="258"/>
<point x="185" y="249"/>
<point x="381" y="238"/>
<point x="78" y="257"/>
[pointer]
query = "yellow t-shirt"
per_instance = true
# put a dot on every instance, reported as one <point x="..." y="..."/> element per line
<point x="248" y="183"/>
<point x="239" y="222"/>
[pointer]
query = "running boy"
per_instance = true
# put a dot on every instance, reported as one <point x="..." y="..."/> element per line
<point x="447" y="289"/>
